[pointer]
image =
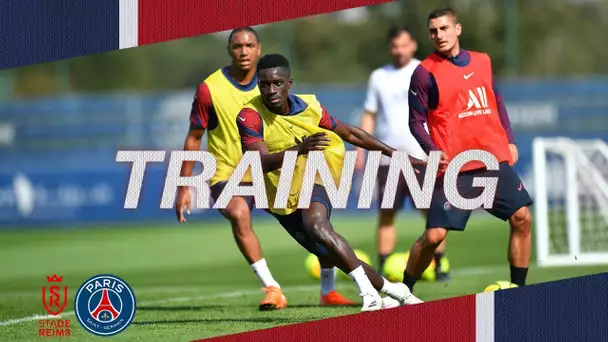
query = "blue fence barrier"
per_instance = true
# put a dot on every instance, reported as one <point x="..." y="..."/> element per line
<point x="58" y="154"/>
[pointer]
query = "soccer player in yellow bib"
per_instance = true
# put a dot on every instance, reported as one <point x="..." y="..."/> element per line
<point x="277" y="121"/>
<point x="216" y="104"/>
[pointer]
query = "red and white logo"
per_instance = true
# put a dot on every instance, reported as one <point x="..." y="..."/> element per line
<point x="54" y="300"/>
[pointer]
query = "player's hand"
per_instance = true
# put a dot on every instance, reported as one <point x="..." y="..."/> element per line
<point x="316" y="142"/>
<point x="514" y="153"/>
<point x="183" y="200"/>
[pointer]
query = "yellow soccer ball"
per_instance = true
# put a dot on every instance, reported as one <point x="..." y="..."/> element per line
<point x="361" y="255"/>
<point x="312" y="266"/>
<point x="500" y="285"/>
<point x="396" y="263"/>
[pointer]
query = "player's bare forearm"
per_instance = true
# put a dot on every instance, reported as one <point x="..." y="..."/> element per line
<point x="192" y="143"/>
<point x="360" y="138"/>
<point x="270" y="161"/>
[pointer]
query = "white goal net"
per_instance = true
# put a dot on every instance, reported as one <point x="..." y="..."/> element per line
<point x="571" y="201"/>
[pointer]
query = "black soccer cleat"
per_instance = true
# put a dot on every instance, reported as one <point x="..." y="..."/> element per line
<point x="442" y="276"/>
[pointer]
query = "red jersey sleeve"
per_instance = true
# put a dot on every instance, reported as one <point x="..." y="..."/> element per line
<point x="250" y="127"/>
<point x="202" y="114"/>
<point x="328" y="122"/>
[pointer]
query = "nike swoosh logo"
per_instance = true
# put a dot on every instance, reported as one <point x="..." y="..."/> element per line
<point x="466" y="77"/>
<point x="240" y="118"/>
<point x="413" y="92"/>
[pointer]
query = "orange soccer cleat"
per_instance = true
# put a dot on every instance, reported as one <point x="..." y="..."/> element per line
<point x="334" y="298"/>
<point x="274" y="300"/>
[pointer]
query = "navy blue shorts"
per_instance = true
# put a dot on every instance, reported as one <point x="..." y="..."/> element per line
<point x="403" y="191"/>
<point x="217" y="188"/>
<point x="510" y="197"/>
<point x="294" y="223"/>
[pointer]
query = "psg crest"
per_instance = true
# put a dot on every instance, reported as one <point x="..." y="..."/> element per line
<point x="105" y="305"/>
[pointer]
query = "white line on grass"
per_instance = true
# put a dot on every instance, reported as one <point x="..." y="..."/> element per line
<point x="147" y="289"/>
<point x="456" y="272"/>
<point x="230" y="294"/>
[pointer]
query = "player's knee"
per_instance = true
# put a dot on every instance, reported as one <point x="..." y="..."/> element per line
<point x="237" y="212"/>
<point x="521" y="220"/>
<point x="434" y="237"/>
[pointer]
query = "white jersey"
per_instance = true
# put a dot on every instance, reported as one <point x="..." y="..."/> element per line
<point x="387" y="96"/>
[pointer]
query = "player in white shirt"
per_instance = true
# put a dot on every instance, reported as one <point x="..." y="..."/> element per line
<point x="386" y="116"/>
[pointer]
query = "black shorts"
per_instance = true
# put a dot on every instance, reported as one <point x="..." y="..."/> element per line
<point x="403" y="191"/>
<point x="217" y="188"/>
<point x="294" y="222"/>
<point x="510" y="197"/>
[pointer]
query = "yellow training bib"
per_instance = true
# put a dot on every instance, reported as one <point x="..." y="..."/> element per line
<point x="280" y="132"/>
<point x="224" y="141"/>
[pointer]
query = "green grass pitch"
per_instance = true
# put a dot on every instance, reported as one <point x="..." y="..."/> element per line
<point x="191" y="282"/>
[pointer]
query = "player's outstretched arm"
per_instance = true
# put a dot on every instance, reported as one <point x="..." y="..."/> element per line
<point x="362" y="139"/>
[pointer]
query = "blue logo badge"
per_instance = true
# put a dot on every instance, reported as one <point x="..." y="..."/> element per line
<point x="105" y="305"/>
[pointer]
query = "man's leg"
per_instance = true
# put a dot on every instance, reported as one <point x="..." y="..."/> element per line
<point x="440" y="274"/>
<point x="441" y="218"/>
<point x="520" y="243"/>
<point x="511" y="204"/>
<point x="238" y="213"/>
<point x="333" y="247"/>
<point x="294" y="225"/>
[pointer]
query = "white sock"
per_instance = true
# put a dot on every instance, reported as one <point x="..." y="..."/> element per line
<point x="261" y="270"/>
<point x="328" y="280"/>
<point x="394" y="290"/>
<point x="358" y="276"/>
